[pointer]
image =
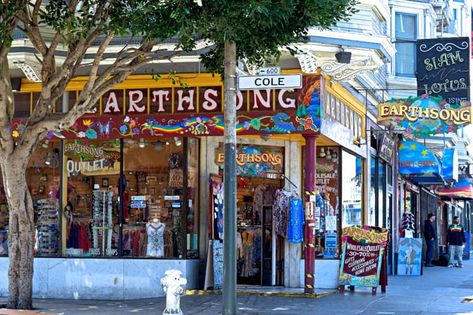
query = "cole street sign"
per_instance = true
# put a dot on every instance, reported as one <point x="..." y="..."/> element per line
<point x="262" y="82"/>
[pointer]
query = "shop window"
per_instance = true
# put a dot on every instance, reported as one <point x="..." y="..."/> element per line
<point x="372" y="193"/>
<point x="192" y="216"/>
<point x="43" y="179"/>
<point x="352" y="189"/>
<point x="63" y="104"/>
<point x="154" y="205"/>
<point x="92" y="169"/>
<point x="327" y="202"/>
<point x="381" y="194"/>
<point x="22" y="104"/>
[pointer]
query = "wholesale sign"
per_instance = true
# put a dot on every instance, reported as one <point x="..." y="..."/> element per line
<point x="443" y="66"/>
<point x="362" y="255"/>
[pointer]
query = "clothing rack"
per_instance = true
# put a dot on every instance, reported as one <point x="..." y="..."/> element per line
<point x="289" y="181"/>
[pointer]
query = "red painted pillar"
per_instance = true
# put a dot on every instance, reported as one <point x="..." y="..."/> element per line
<point x="309" y="237"/>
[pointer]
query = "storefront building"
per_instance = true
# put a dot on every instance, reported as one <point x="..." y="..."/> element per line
<point x="134" y="187"/>
<point x="423" y="173"/>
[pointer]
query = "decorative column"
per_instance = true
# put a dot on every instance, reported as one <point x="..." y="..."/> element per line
<point x="310" y="191"/>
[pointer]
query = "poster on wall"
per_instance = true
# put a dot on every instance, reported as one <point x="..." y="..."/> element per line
<point x="410" y="257"/>
<point x="362" y="254"/>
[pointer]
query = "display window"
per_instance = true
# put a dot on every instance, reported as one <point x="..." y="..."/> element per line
<point x="268" y="215"/>
<point x="371" y="219"/>
<point x="92" y="170"/>
<point x="352" y="189"/>
<point x="327" y="202"/>
<point x="154" y="209"/>
<point x="192" y="213"/>
<point x="43" y="178"/>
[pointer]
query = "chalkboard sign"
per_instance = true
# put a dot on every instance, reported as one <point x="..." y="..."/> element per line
<point x="217" y="247"/>
<point x="443" y="66"/>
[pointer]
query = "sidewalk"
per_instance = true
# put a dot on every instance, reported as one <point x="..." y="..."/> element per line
<point x="439" y="291"/>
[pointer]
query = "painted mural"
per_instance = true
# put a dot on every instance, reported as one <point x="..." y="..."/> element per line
<point x="260" y="112"/>
<point x="410" y="257"/>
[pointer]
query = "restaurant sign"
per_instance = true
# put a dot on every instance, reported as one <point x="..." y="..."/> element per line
<point x="195" y="111"/>
<point x="424" y="115"/>
<point x="443" y="68"/>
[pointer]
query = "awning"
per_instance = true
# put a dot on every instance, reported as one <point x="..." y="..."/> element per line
<point x="463" y="189"/>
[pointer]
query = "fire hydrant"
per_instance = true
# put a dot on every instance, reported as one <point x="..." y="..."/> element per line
<point x="172" y="285"/>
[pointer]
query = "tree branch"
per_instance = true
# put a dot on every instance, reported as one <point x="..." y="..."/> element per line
<point x="32" y="31"/>
<point x="96" y="63"/>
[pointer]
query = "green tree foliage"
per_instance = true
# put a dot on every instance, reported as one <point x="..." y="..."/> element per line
<point x="260" y="27"/>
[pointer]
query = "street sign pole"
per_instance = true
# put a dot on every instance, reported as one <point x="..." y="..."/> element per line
<point x="229" y="182"/>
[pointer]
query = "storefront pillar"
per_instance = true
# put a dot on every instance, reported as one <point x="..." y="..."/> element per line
<point x="309" y="237"/>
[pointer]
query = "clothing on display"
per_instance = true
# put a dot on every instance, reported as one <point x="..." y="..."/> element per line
<point x="79" y="236"/>
<point x="295" y="233"/>
<point x="249" y="262"/>
<point x="282" y="201"/>
<point x="407" y="224"/>
<point x="134" y="240"/>
<point x="218" y="210"/>
<point x="155" y="232"/>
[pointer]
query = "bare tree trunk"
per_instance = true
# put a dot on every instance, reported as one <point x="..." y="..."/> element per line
<point x="21" y="231"/>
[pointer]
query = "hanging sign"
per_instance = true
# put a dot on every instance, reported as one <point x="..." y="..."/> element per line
<point x="386" y="148"/>
<point x="423" y="116"/>
<point x="450" y="164"/>
<point x="443" y="68"/>
<point x="416" y="159"/>
<point x="362" y="254"/>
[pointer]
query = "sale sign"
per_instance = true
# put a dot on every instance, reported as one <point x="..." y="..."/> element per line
<point x="362" y="256"/>
<point x="361" y="259"/>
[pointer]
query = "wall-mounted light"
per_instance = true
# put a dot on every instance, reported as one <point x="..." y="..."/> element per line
<point x="177" y="141"/>
<point x="334" y="157"/>
<point x="266" y="136"/>
<point x="322" y="153"/>
<point x="142" y="143"/>
<point x="329" y="154"/>
<point x="158" y="146"/>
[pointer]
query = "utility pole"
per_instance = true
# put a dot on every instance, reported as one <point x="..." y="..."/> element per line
<point x="229" y="180"/>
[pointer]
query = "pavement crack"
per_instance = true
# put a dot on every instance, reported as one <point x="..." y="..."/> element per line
<point x="369" y="304"/>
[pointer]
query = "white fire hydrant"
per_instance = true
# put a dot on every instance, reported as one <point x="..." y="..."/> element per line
<point x="172" y="283"/>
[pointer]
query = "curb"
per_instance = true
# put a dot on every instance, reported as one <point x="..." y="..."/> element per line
<point x="260" y="293"/>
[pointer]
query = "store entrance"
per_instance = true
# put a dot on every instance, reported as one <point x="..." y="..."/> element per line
<point x="257" y="244"/>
